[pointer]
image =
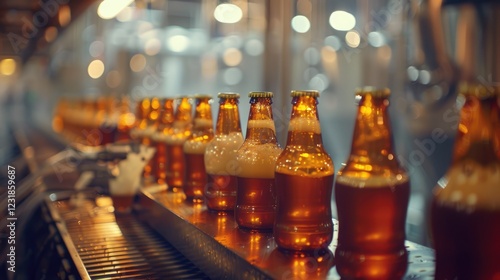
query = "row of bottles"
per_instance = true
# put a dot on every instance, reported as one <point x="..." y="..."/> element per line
<point x="288" y="190"/>
<point x="93" y="122"/>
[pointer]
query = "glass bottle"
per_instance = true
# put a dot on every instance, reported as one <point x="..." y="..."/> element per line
<point x="165" y="122"/>
<point x="141" y="114"/>
<point x="194" y="149"/>
<point x="148" y="132"/>
<point x="107" y="123"/>
<point x="220" y="155"/>
<point x="177" y="135"/>
<point x="256" y="159"/>
<point x="126" y="120"/>
<point x="465" y="209"/>
<point x="304" y="181"/>
<point x="372" y="192"/>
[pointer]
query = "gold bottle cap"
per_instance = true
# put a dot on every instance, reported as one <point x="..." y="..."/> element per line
<point x="312" y="93"/>
<point x="265" y="94"/>
<point x="228" y="95"/>
<point x="373" y="91"/>
<point x="479" y="91"/>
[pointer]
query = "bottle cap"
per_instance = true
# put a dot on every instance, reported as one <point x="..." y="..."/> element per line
<point x="312" y="93"/>
<point x="266" y="94"/>
<point x="373" y="91"/>
<point x="477" y="90"/>
<point x="228" y="95"/>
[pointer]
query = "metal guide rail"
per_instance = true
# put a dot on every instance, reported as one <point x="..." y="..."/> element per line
<point x="214" y="243"/>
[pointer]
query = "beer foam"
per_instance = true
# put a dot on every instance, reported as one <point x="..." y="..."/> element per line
<point x="377" y="181"/>
<point x="159" y="137"/>
<point x="176" y="139"/>
<point x="203" y="123"/>
<point x="257" y="161"/>
<point x="194" y="147"/>
<point x="261" y="124"/>
<point x="471" y="185"/>
<point x="149" y="131"/>
<point x="305" y="125"/>
<point x="220" y="153"/>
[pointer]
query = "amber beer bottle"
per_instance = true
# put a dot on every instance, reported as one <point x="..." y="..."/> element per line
<point x="194" y="149"/>
<point x="177" y="135"/>
<point x="148" y="132"/>
<point x="165" y="122"/>
<point x="372" y="192"/>
<point x="141" y="121"/>
<point x="465" y="210"/>
<point x="256" y="159"/>
<point x="304" y="181"/>
<point x="126" y="120"/>
<point x="220" y="155"/>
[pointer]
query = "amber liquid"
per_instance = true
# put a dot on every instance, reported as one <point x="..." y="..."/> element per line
<point x="176" y="167"/>
<point x="196" y="177"/>
<point x="122" y="203"/>
<point x="148" y="168"/>
<point x="220" y="193"/>
<point x="108" y="133"/>
<point x="372" y="231"/>
<point x="123" y="135"/>
<point x="467" y="243"/>
<point x="255" y="203"/>
<point x="304" y="215"/>
<point x="160" y="162"/>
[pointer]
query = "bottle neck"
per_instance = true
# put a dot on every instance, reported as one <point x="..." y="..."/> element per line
<point x="372" y="149"/>
<point x="260" y="127"/>
<point x="203" y="117"/>
<point x="167" y="116"/>
<point x="183" y="113"/>
<point x="228" y="118"/>
<point x="304" y="129"/>
<point x="477" y="136"/>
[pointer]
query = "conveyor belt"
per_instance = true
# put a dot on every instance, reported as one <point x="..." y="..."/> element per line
<point x="118" y="246"/>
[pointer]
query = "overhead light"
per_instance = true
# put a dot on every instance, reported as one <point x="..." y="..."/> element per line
<point x="300" y="24"/>
<point x="95" y="69"/>
<point x="228" y="13"/>
<point x="7" y="66"/>
<point x="108" y="9"/>
<point x="342" y="21"/>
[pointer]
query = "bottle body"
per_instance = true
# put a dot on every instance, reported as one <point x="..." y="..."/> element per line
<point x="256" y="160"/>
<point x="304" y="181"/>
<point x="165" y="123"/>
<point x="372" y="235"/>
<point x="126" y="120"/>
<point x="372" y="194"/>
<point x="465" y="210"/>
<point x="194" y="150"/>
<point x="174" y="149"/>
<point x="220" y="154"/>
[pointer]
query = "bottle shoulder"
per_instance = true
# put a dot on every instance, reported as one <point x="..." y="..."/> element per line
<point x="308" y="161"/>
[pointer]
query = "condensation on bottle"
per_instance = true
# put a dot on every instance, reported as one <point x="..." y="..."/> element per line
<point x="372" y="193"/>
<point x="304" y="181"/>
<point x="220" y="155"/>
<point x="465" y="209"/>
<point x="256" y="160"/>
<point x="195" y="146"/>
